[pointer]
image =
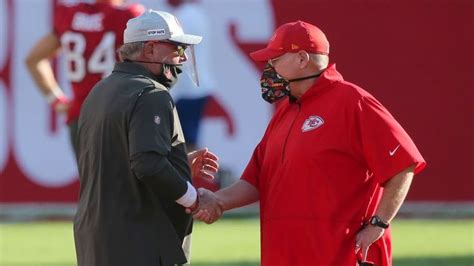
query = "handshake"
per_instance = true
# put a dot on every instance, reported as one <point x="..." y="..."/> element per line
<point x="208" y="207"/>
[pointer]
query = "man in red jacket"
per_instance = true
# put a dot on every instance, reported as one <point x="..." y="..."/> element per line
<point x="88" y="34"/>
<point x="333" y="167"/>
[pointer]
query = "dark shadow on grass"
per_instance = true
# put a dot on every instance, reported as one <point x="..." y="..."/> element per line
<point x="37" y="264"/>
<point x="430" y="261"/>
<point x="226" y="263"/>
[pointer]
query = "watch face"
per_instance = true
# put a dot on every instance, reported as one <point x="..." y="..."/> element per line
<point x="374" y="220"/>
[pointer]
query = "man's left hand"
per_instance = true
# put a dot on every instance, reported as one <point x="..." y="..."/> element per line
<point x="203" y="163"/>
<point x="366" y="237"/>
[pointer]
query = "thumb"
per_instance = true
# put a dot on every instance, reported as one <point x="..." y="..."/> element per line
<point x="357" y="246"/>
<point x="195" y="154"/>
<point x="200" y="152"/>
<point x="201" y="191"/>
<point x="365" y="249"/>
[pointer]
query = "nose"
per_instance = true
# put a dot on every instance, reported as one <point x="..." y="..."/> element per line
<point x="183" y="58"/>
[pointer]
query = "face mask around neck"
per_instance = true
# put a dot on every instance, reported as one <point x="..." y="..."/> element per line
<point x="169" y="73"/>
<point x="275" y="87"/>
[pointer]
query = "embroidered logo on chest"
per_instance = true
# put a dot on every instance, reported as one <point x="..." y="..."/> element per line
<point x="157" y="120"/>
<point x="311" y="123"/>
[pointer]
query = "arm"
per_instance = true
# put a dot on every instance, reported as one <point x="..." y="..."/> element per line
<point x="150" y="144"/>
<point x="158" y="173"/>
<point x="395" y="191"/>
<point x="40" y="69"/>
<point x="38" y="63"/>
<point x="237" y="195"/>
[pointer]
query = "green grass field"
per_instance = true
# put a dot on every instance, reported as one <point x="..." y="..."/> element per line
<point x="235" y="242"/>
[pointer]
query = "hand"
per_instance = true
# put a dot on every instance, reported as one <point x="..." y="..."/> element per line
<point x="209" y="209"/>
<point x="58" y="100"/>
<point x="366" y="237"/>
<point x="203" y="163"/>
<point x="61" y="104"/>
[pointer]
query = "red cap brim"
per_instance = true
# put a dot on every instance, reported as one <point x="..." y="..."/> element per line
<point x="265" y="54"/>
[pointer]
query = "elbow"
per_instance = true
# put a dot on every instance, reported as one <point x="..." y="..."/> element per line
<point x="142" y="170"/>
<point x="30" y="62"/>
<point x="145" y="165"/>
<point x="402" y="179"/>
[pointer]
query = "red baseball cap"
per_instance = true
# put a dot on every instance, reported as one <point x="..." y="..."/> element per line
<point x="292" y="37"/>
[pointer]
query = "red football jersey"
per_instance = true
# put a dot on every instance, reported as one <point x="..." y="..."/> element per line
<point x="90" y="35"/>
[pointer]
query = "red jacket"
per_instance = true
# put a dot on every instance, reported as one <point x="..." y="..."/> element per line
<point x="318" y="169"/>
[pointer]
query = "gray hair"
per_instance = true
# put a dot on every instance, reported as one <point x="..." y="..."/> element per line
<point x="320" y="60"/>
<point x="130" y="50"/>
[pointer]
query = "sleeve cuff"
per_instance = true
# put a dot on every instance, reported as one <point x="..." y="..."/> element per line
<point x="54" y="94"/>
<point x="188" y="199"/>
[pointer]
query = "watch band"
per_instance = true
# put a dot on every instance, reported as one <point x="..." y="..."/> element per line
<point x="377" y="221"/>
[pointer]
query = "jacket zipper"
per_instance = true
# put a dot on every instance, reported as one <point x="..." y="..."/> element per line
<point x="289" y="132"/>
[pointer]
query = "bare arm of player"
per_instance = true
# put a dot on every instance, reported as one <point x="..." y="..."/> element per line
<point x="395" y="191"/>
<point x="40" y="69"/>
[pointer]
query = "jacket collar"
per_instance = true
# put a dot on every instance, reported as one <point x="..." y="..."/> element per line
<point x="323" y="82"/>
<point x="133" y="68"/>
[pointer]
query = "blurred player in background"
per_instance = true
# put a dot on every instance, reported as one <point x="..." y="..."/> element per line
<point x="88" y="34"/>
<point x="191" y="99"/>
<point x="193" y="102"/>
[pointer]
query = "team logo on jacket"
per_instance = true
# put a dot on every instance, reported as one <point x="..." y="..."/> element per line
<point x="311" y="123"/>
<point x="157" y="120"/>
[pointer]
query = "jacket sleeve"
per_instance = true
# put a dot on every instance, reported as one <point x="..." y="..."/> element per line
<point x="157" y="172"/>
<point x="386" y="146"/>
<point x="150" y="140"/>
<point x="151" y="124"/>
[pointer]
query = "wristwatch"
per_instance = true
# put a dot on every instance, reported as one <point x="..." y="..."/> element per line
<point x="377" y="221"/>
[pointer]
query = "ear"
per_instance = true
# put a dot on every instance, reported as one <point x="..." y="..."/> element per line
<point x="148" y="49"/>
<point x="303" y="58"/>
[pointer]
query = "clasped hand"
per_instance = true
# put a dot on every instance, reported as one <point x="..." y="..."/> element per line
<point x="209" y="209"/>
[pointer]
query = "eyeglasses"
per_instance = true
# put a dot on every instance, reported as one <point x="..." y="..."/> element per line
<point x="272" y="61"/>
<point x="179" y="47"/>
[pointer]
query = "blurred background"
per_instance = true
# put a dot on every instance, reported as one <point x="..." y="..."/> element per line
<point x="415" y="56"/>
